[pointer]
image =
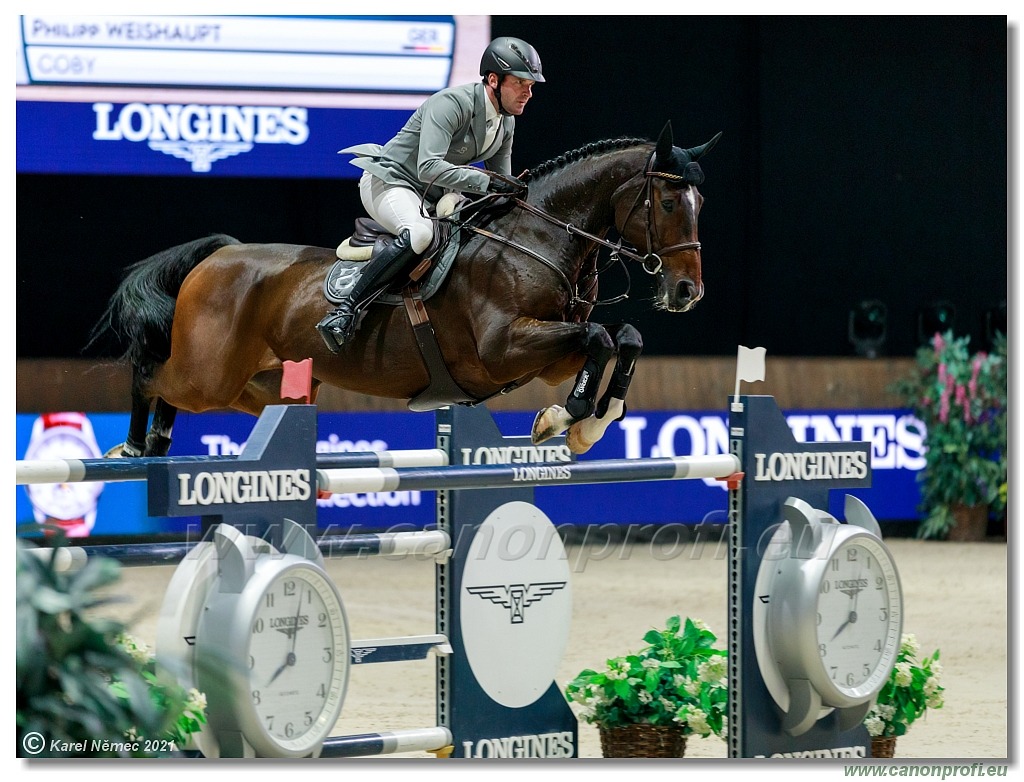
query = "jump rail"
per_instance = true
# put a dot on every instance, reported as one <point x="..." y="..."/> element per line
<point x="495" y="476"/>
<point x="426" y="542"/>
<point x="137" y="469"/>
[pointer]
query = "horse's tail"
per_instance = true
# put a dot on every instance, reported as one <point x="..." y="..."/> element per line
<point x="139" y="314"/>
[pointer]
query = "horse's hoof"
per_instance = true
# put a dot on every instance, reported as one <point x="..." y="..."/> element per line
<point x="547" y="424"/>
<point x="117" y="452"/>
<point x="576" y="441"/>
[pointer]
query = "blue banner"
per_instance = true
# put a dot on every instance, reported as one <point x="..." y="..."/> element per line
<point x="895" y="437"/>
<point x="227" y="141"/>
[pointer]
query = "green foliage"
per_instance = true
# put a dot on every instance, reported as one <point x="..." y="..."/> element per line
<point x="78" y="686"/>
<point x="912" y="689"/>
<point x="679" y="679"/>
<point x="960" y="397"/>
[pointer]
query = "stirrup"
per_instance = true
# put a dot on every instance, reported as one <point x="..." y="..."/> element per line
<point x="337" y="327"/>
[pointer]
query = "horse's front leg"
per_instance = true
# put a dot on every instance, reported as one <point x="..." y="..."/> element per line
<point x="612" y="406"/>
<point x="597" y="348"/>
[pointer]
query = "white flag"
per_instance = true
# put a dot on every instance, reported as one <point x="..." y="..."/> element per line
<point x="750" y="364"/>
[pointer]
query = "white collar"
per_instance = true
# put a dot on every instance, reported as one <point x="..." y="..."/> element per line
<point x="492" y="113"/>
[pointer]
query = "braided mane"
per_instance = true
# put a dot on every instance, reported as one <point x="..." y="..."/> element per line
<point x="594" y="148"/>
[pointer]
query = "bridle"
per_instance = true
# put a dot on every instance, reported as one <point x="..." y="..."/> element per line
<point x="650" y="261"/>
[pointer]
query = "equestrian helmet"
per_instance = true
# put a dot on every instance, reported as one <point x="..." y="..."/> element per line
<point x="511" y="57"/>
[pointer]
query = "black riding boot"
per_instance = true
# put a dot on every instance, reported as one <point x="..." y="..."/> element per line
<point x="337" y="326"/>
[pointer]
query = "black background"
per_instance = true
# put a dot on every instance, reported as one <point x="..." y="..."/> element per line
<point x="862" y="158"/>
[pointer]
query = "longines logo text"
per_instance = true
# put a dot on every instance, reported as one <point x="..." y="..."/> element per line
<point x="810" y="466"/>
<point x="201" y="134"/>
<point x="517" y="454"/>
<point x="852" y="584"/>
<point x="858" y="751"/>
<point x="542" y="473"/>
<point x="241" y="487"/>
<point x="544" y="745"/>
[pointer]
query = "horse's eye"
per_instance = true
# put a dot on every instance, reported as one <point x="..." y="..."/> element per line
<point x="668" y="204"/>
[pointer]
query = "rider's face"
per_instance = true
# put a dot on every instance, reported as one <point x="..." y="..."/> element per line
<point x="515" y="92"/>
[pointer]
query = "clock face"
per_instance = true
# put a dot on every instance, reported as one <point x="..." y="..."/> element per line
<point x="298" y="659"/>
<point x="63" y="500"/>
<point x="859" y="616"/>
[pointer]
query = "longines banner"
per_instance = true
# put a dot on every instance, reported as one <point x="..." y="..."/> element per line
<point x="120" y="508"/>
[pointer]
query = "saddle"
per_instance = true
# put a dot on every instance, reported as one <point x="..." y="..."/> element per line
<point x="369" y="238"/>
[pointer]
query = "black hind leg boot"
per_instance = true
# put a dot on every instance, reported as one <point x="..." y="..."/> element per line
<point x="337" y="326"/>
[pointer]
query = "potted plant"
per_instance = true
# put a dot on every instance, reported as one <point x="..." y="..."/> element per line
<point x="164" y="692"/>
<point x="646" y="704"/>
<point x="913" y="688"/>
<point x="960" y="398"/>
<point x="84" y="689"/>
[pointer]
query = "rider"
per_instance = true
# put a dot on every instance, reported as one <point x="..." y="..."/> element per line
<point x="454" y="127"/>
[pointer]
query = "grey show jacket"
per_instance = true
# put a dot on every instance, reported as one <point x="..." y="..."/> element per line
<point x="446" y="131"/>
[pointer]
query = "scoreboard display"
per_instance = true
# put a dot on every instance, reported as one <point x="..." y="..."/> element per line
<point x="267" y="96"/>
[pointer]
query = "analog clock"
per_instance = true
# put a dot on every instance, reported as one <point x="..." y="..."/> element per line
<point x="828" y="615"/>
<point x="271" y="645"/>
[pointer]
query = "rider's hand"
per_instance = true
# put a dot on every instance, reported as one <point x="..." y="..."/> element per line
<point x="514" y="187"/>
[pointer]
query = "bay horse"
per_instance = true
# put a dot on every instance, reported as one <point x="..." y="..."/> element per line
<point x="208" y="324"/>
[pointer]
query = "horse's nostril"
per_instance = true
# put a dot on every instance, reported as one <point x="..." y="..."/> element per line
<point x="686" y="290"/>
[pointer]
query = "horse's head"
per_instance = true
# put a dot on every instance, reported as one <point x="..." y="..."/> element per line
<point x="661" y="221"/>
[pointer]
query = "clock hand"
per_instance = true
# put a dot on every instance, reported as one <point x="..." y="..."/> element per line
<point x="289" y="660"/>
<point x="852" y="616"/>
<point x="295" y="627"/>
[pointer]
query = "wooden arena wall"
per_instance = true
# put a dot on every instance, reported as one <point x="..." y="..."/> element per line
<point x="660" y="383"/>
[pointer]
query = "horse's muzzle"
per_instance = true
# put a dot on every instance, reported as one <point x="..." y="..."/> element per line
<point x="682" y="296"/>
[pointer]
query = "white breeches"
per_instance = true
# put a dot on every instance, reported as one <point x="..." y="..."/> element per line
<point x="396" y="208"/>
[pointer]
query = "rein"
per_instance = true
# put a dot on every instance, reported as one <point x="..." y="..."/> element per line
<point x="650" y="262"/>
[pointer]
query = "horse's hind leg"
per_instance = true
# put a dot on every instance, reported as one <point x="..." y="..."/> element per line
<point x="135" y="442"/>
<point x="612" y="406"/>
<point x="158" y="439"/>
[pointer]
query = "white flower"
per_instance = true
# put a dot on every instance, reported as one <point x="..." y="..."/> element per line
<point x="135" y="648"/>
<point x="874" y="724"/>
<point x="196" y="701"/>
<point x="931" y="686"/>
<point x="619" y="664"/>
<point x="650" y="662"/>
<point x="700" y="624"/>
<point x="644" y="696"/>
<point x="904" y="675"/>
<point x="909" y="645"/>
<point x="934" y="701"/>
<point x="666" y="704"/>
<point x="713" y="669"/>
<point x="692" y="687"/>
<point x="936" y="668"/>
<point x="698" y="722"/>
<point x="678" y="680"/>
